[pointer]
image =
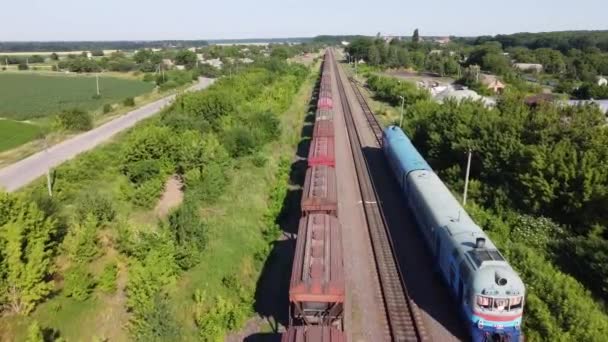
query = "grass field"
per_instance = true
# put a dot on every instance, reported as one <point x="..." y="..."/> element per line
<point x="31" y="95"/>
<point x="15" y="133"/>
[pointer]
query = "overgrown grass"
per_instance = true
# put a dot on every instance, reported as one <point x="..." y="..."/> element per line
<point x="30" y="95"/>
<point x="15" y="133"/>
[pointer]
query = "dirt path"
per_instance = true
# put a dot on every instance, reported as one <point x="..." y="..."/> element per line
<point x="171" y="198"/>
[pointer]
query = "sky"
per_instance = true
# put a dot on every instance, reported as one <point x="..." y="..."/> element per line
<point x="232" y="19"/>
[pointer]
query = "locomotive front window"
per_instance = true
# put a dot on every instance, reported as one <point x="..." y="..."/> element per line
<point x="501" y="304"/>
<point x="516" y="303"/>
<point x="484" y="302"/>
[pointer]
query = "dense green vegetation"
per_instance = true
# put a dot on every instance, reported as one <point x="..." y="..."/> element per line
<point x="24" y="96"/>
<point x="98" y="228"/>
<point x="96" y="45"/>
<point x="571" y="61"/>
<point x="539" y="183"/>
<point x="15" y="133"/>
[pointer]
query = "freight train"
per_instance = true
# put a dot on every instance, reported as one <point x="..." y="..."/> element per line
<point x="316" y="291"/>
<point x="489" y="293"/>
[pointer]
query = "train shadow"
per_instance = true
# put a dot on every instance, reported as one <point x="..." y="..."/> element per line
<point x="424" y="285"/>
<point x="263" y="337"/>
<point x="272" y="288"/>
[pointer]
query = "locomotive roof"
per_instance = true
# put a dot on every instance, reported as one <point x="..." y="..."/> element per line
<point x="407" y="155"/>
<point x="463" y="233"/>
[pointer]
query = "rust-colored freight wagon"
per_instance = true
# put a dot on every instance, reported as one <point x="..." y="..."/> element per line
<point x="325" y="103"/>
<point x="313" y="334"/>
<point x="323" y="128"/>
<point x="316" y="290"/>
<point x="321" y="152"/>
<point x="324" y="114"/>
<point x="320" y="193"/>
<point x="325" y="93"/>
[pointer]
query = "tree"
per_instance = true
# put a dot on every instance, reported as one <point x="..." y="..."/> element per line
<point x="416" y="36"/>
<point x="34" y="333"/>
<point x="186" y="58"/>
<point x="81" y="241"/>
<point x="373" y="55"/>
<point x="75" y="119"/>
<point x="26" y="257"/>
<point x="54" y="56"/>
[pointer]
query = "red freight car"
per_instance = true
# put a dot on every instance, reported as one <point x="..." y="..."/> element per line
<point x="325" y="103"/>
<point x="325" y="93"/>
<point x="316" y="290"/>
<point x="320" y="193"/>
<point x="323" y="128"/>
<point x="313" y="334"/>
<point x="321" y="152"/>
<point x="324" y="114"/>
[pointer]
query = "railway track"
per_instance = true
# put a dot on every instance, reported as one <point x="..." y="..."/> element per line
<point x="404" y="321"/>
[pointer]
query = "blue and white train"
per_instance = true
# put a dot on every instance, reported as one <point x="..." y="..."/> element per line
<point x="488" y="291"/>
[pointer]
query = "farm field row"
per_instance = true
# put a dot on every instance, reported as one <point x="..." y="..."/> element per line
<point x="16" y="133"/>
<point x="30" y="95"/>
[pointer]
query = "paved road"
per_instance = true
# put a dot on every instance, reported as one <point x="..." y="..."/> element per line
<point x="25" y="171"/>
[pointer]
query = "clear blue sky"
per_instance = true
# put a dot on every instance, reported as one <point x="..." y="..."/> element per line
<point x="218" y="19"/>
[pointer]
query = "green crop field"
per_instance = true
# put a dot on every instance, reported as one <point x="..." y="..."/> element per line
<point x="15" y="133"/>
<point x="30" y="95"/>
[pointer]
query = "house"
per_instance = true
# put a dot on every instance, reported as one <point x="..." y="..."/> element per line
<point x="442" y="40"/>
<point x="180" y="67"/>
<point x="217" y="63"/>
<point x="462" y="94"/>
<point x="167" y="62"/>
<point x="192" y="49"/>
<point x="602" y="104"/>
<point x="493" y="83"/>
<point x="602" y="81"/>
<point x="435" y="52"/>
<point x="528" y="67"/>
<point x="89" y="55"/>
<point x="246" y="60"/>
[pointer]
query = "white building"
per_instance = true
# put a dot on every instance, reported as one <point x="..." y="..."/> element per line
<point x="602" y="81"/>
<point x="528" y="67"/>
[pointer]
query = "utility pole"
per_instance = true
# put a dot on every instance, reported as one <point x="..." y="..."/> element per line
<point x="466" y="179"/>
<point x="401" y="116"/>
<point x="97" y="82"/>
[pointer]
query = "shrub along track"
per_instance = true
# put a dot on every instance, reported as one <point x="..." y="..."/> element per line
<point x="403" y="318"/>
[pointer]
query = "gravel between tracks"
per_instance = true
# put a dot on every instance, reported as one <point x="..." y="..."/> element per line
<point x="365" y="319"/>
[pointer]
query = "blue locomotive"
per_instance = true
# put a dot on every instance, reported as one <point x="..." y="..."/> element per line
<point x="488" y="291"/>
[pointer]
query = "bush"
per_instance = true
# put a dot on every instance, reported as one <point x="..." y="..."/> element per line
<point x="23" y="66"/>
<point x="189" y="234"/>
<point x="97" y="204"/>
<point x="107" y="108"/>
<point x="143" y="170"/>
<point x="81" y="241"/>
<point x="78" y="283"/>
<point x="107" y="280"/>
<point x="146" y="194"/>
<point x="207" y="185"/>
<point x="129" y="102"/>
<point x="239" y="141"/>
<point x="75" y="120"/>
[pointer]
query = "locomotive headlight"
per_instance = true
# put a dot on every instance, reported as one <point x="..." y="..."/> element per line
<point x="480" y="324"/>
<point x="517" y="324"/>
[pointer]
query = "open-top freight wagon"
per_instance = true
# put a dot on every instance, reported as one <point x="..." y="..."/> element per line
<point x="321" y="152"/>
<point x="320" y="192"/>
<point x="316" y="291"/>
<point x="323" y="128"/>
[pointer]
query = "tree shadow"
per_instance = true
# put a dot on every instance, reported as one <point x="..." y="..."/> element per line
<point x="272" y="288"/>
